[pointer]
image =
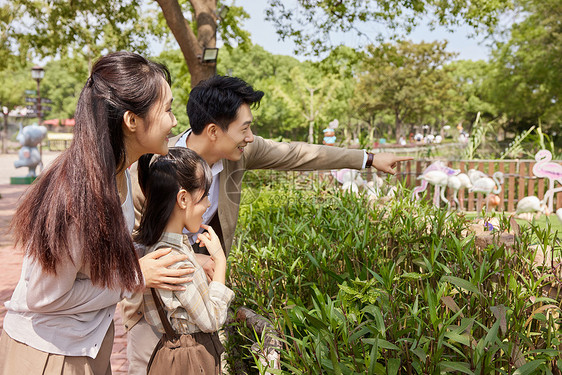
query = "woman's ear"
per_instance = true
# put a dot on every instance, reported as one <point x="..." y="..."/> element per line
<point x="130" y="121"/>
<point x="182" y="199"/>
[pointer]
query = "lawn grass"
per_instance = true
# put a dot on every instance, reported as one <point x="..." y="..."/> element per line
<point x="541" y="222"/>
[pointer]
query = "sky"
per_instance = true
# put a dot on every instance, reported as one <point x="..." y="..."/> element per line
<point x="263" y="34"/>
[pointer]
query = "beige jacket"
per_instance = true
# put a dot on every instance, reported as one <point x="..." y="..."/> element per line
<point x="260" y="154"/>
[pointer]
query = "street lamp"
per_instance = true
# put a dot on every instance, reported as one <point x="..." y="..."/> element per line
<point x="37" y="73"/>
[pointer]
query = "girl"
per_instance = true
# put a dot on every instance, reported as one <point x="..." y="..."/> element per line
<point x="75" y="226"/>
<point x="176" y="188"/>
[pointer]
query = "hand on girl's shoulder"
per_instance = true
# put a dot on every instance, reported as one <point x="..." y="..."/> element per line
<point x="177" y="259"/>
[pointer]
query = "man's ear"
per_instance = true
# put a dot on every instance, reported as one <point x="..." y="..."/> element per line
<point x="212" y="131"/>
<point x="130" y="121"/>
<point x="182" y="199"/>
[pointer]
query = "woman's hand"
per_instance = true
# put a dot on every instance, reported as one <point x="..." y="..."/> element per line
<point x="157" y="274"/>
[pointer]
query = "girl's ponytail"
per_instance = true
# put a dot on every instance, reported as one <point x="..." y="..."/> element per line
<point x="143" y="165"/>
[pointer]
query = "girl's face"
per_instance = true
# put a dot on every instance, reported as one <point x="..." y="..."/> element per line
<point x="195" y="210"/>
<point x="155" y="129"/>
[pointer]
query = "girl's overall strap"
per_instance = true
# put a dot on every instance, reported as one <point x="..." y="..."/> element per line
<point x="167" y="326"/>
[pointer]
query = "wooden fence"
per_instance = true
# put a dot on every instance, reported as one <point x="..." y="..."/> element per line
<point x="519" y="181"/>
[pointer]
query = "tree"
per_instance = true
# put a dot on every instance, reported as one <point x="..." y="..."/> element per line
<point x="200" y="31"/>
<point x="527" y="70"/>
<point x="344" y="63"/>
<point x="311" y="24"/>
<point x="310" y="93"/>
<point x="91" y="28"/>
<point x="14" y="82"/>
<point x="408" y="80"/>
<point x="63" y="82"/>
<point x="8" y="15"/>
<point x="70" y="28"/>
<point x="472" y="88"/>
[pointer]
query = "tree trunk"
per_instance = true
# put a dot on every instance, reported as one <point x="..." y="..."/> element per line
<point x="191" y="46"/>
<point x="397" y="125"/>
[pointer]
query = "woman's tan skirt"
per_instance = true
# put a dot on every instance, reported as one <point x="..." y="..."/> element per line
<point x="18" y="358"/>
<point x="196" y="353"/>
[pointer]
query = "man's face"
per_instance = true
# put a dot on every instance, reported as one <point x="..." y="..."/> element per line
<point x="232" y="142"/>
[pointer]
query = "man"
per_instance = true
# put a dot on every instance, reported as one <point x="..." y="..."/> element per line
<point x="220" y="118"/>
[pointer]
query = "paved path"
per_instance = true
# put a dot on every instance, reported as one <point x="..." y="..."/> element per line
<point x="11" y="258"/>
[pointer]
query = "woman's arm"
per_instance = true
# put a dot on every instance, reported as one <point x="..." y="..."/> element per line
<point x="63" y="292"/>
<point x="158" y="274"/>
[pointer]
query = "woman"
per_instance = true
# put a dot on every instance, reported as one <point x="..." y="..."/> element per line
<point x="75" y="225"/>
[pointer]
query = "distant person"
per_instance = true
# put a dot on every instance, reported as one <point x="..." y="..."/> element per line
<point x="176" y="187"/>
<point x="219" y="111"/>
<point x="75" y="225"/>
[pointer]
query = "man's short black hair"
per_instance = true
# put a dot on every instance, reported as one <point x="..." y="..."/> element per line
<point x="217" y="100"/>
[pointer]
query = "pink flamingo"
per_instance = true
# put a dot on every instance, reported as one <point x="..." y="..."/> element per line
<point x="553" y="171"/>
<point x="435" y="166"/>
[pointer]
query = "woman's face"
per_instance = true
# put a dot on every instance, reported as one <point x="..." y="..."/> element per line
<point x="155" y="128"/>
<point x="195" y="211"/>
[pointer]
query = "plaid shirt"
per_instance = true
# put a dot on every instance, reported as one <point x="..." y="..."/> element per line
<point x="202" y="307"/>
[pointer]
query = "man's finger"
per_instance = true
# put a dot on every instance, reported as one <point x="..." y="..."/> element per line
<point x="404" y="158"/>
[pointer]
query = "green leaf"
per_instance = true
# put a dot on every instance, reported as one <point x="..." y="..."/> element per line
<point x="461" y="283"/>
<point x="392" y="366"/>
<point x="529" y="368"/>
<point x="492" y="334"/>
<point x="381" y="343"/>
<point x="456" y="366"/>
<point x="463" y="339"/>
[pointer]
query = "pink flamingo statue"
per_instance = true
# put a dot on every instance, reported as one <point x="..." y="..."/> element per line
<point x="487" y="185"/>
<point x="439" y="180"/>
<point x="433" y="167"/>
<point x="456" y="183"/>
<point x="546" y="169"/>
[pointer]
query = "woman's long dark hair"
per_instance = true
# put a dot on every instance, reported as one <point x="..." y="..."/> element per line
<point x="77" y="196"/>
<point x="160" y="182"/>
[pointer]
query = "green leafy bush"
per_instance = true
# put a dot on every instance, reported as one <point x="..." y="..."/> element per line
<point x="396" y="287"/>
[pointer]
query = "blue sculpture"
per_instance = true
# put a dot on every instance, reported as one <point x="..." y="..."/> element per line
<point x="29" y="156"/>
